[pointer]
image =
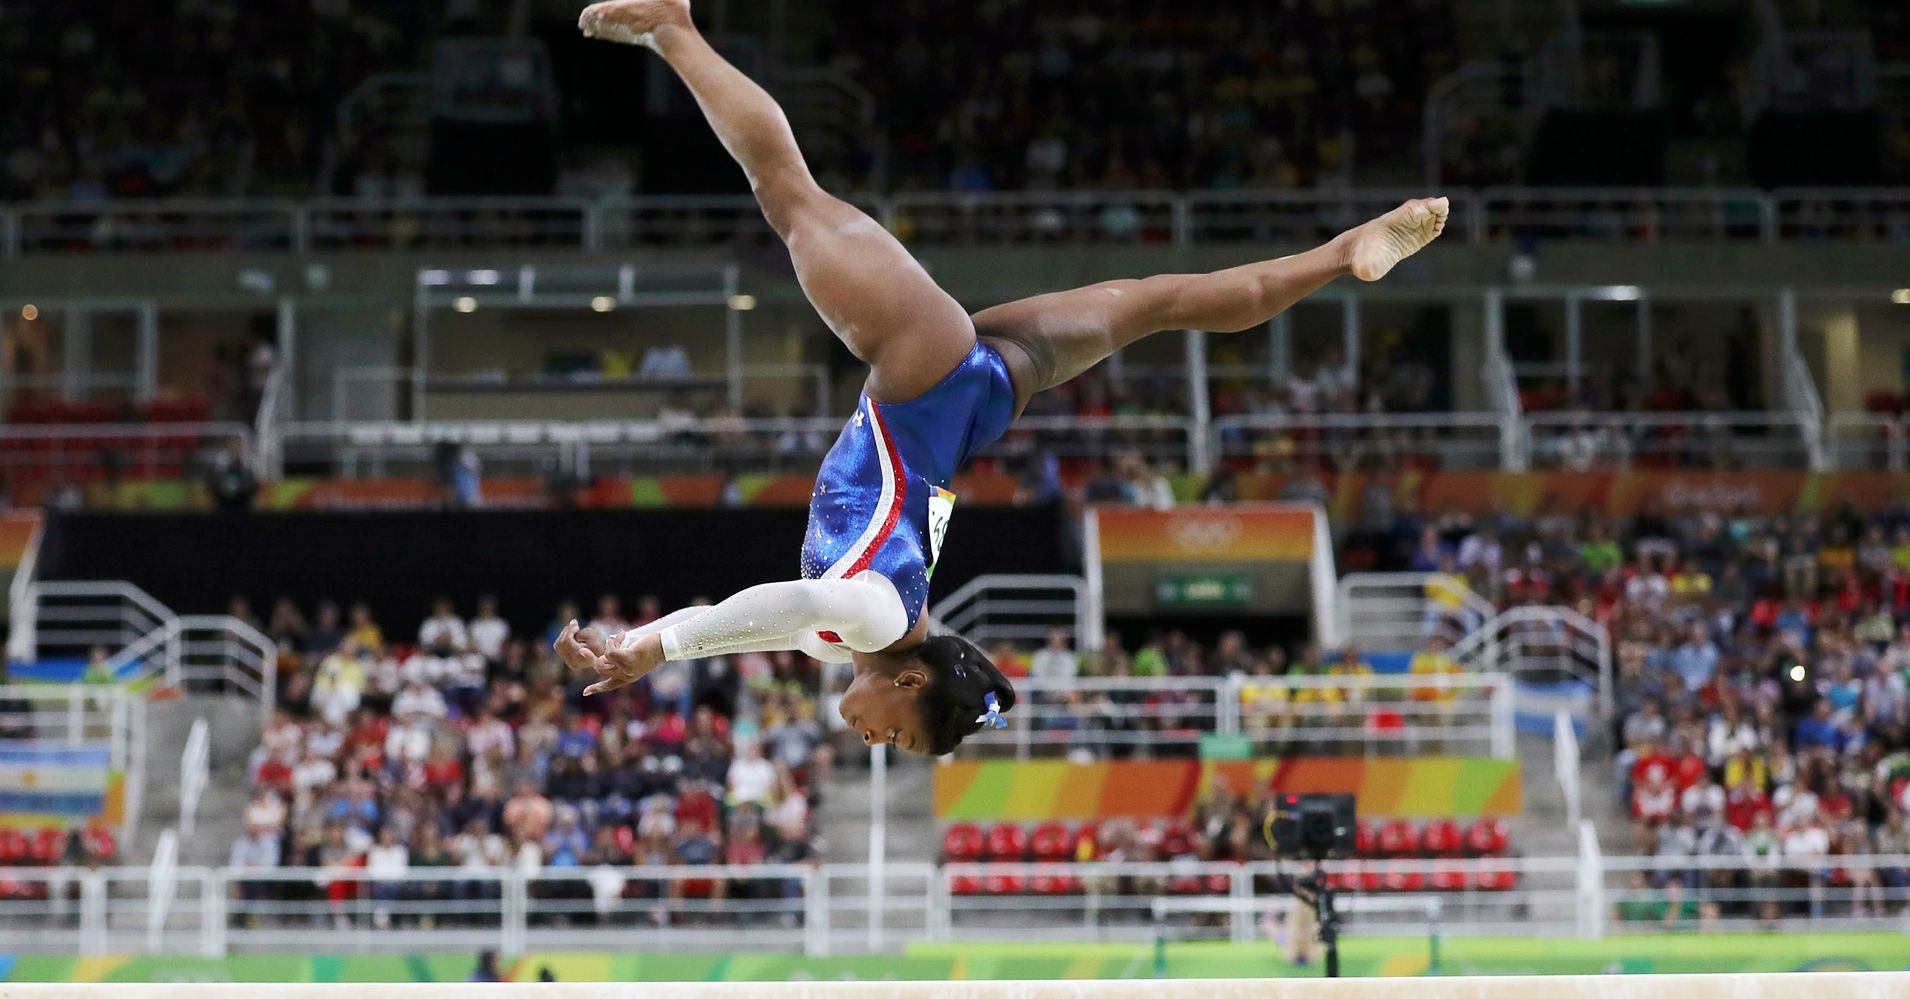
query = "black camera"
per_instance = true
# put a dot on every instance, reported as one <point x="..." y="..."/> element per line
<point x="1312" y="826"/>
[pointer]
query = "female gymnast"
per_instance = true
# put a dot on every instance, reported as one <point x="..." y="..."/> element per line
<point x="942" y="384"/>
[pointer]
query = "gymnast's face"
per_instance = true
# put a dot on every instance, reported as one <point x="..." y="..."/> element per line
<point x="882" y="707"/>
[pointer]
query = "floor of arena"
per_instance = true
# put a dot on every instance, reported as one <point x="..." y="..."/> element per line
<point x="1852" y="985"/>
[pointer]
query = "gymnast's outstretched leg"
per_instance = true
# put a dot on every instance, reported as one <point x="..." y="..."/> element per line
<point x="1060" y="335"/>
<point x="867" y="287"/>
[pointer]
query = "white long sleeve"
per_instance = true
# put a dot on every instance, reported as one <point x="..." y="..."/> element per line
<point x="625" y="639"/>
<point x="866" y="613"/>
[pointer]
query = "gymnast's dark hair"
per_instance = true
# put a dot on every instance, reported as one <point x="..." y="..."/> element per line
<point x="960" y="677"/>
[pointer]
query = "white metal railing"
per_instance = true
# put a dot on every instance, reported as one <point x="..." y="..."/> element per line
<point x="1108" y="712"/>
<point x="85" y="715"/>
<point x="1868" y="441"/>
<point x="164" y="882"/>
<point x="1634" y="216"/>
<point x="1580" y="440"/>
<point x="274" y="404"/>
<point x="1242" y="912"/>
<point x="1021" y="609"/>
<point x="1544" y="644"/>
<point x="195" y="773"/>
<point x="1565" y="764"/>
<point x="1616" y="215"/>
<point x="1502" y="391"/>
<point x="226" y="653"/>
<point x="1800" y="391"/>
<point x="1373" y="715"/>
<point x="822" y="909"/>
<point x="78" y="451"/>
<point x="22" y="605"/>
<point x="146" y="641"/>
<point x="70" y="715"/>
<point x="1454" y="440"/>
<point x="73" y="617"/>
<point x="1377" y="714"/>
<point x="1399" y="611"/>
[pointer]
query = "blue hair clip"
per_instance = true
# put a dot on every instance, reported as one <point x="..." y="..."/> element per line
<point x="992" y="717"/>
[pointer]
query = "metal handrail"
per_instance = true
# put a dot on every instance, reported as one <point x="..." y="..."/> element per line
<point x="297" y="226"/>
<point x="195" y="773"/>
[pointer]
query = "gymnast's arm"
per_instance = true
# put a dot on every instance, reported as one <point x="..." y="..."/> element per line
<point x="866" y="613"/>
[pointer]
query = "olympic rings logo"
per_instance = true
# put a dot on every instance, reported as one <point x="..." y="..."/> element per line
<point x="1204" y="533"/>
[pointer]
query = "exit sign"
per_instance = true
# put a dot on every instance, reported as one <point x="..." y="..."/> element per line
<point x="1203" y="591"/>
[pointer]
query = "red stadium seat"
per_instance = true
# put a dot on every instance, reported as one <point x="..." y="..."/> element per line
<point x="962" y="842"/>
<point x="1447" y="877"/>
<point x="1495" y="880"/>
<point x="1398" y="838"/>
<point x="965" y="884"/>
<point x="1053" y="884"/>
<point x="1007" y="842"/>
<point x="1365" y="839"/>
<point x="1443" y="838"/>
<point x="1005" y="884"/>
<point x="1051" y="842"/>
<point x="1403" y="879"/>
<point x="1487" y="837"/>
<point x="15" y="848"/>
<point x="49" y="845"/>
<point x="1347" y="880"/>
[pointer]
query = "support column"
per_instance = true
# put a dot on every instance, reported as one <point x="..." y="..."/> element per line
<point x="1350" y="332"/>
<point x="878" y="839"/>
<point x="1643" y="309"/>
<point x="1574" y="341"/>
<point x="76" y="362"/>
<point x="1280" y="348"/>
<point x="146" y="380"/>
<point x="1199" y="407"/>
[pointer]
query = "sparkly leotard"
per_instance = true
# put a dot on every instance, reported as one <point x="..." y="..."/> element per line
<point x="882" y="499"/>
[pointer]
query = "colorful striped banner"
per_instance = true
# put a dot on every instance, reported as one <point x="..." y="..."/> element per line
<point x="17" y="528"/>
<point x="1419" y="787"/>
<point x="46" y="783"/>
<point x="1244" y="533"/>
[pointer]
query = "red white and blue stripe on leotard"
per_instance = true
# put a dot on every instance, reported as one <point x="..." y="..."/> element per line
<point x="881" y="496"/>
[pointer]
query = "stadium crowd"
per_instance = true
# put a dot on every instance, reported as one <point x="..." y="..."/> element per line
<point x="1763" y="684"/>
<point x="1145" y="94"/>
<point x="467" y="748"/>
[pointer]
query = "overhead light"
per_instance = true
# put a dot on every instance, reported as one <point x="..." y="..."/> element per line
<point x="1901" y="296"/>
<point x="1623" y="293"/>
<point x="1797" y="673"/>
<point x="481" y="277"/>
<point x="742" y="303"/>
<point x="603" y="303"/>
<point x="435" y="277"/>
<point x="465" y="303"/>
<point x="29" y="312"/>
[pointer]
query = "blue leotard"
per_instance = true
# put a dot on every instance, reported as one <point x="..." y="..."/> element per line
<point x="882" y="499"/>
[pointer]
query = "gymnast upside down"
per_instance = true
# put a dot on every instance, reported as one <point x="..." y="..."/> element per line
<point x="942" y="384"/>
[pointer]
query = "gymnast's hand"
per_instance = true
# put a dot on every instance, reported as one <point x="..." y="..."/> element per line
<point x="621" y="667"/>
<point x="580" y="647"/>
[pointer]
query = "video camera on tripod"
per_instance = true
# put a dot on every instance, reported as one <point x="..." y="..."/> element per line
<point x="1315" y="827"/>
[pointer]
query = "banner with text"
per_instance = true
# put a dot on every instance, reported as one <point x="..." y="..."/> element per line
<point x="1036" y="790"/>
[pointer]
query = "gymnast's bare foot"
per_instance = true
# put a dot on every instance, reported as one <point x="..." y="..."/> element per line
<point x="1378" y="246"/>
<point x="633" y="22"/>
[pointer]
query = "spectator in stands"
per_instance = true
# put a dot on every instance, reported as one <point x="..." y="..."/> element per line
<point x="364" y="633"/>
<point x="528" y="815"/>
<point x="489" y="632"/>
<point x="443" y="632"/>
<point x="752" y="779"/>
<point x="386" y="862"/>
<point x="230" y="480"/>
<point x="339" y="684"/>
<point x="1055" y="660"/>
